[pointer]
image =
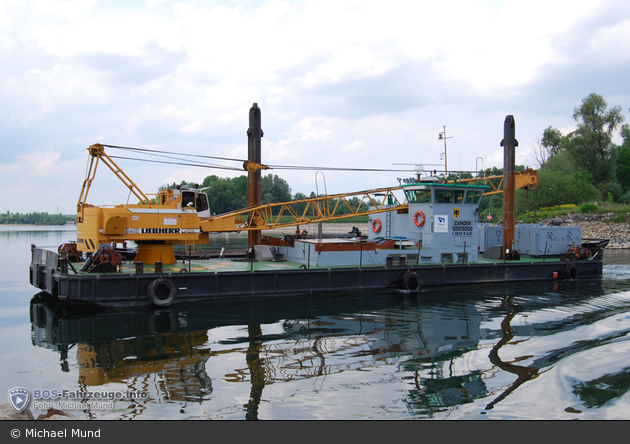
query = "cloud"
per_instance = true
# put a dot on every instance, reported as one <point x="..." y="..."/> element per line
<point x="148" y="63"/>
<point x="340" y="83"/>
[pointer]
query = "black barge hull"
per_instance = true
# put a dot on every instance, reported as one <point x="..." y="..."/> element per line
<point x="117" y="290"/>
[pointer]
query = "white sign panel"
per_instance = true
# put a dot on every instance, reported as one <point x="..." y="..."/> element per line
<point x="170" y="221"/>
<point x="440" y="224"/>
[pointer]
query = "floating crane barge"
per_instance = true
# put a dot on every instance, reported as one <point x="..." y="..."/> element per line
<point x="433" y="238"/>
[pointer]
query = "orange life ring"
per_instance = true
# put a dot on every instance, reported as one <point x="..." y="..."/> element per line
<point x="420" y="222"/>
<point x="376" y="225"/>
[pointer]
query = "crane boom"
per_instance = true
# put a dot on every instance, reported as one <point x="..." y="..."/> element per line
<point x="306" y="211"/>
<point x="97" y="153"/>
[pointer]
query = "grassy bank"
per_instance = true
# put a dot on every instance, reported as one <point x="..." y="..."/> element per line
<point x="616" y="213"/>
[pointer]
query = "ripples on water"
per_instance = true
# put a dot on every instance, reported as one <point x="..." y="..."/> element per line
<point x="544" y="351"/>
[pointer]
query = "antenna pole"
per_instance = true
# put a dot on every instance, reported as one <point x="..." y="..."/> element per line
<point x="442" y="136"/>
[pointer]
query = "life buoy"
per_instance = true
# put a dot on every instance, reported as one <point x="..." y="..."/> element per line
<point x="411" y="282"/>
<point x="376" y="225"/>
<point x="419" y="222"/>
<point x="161" y="292"/>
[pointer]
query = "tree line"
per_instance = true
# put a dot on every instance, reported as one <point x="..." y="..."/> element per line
<point x="35" y="218"/>
<point x="229" y="194"/>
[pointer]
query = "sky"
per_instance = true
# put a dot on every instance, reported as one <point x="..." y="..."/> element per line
<point x="346" y="84"/>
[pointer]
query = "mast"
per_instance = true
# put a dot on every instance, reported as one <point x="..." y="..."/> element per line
<point x="254" y="178"/>
<point x="509" y="144"/>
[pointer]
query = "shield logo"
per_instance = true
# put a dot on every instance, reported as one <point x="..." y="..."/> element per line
<point x="19" y="398"/>
<point x="456" y="213"/>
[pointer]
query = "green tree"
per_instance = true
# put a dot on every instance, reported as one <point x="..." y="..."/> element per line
<point x="553" y="140"/>
<point x="275" y="189"/>
<point x="560" y="182"/>
<point x="551" y="143"/>
<point x="623" y="161"/>
<point x="591" y="144"/>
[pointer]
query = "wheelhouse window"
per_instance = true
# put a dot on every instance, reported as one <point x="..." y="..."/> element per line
<point x="444" y="196"/>
<point x="473" y="197"/>
<point x="459" y="196"/>
<point x="418" y="196"/>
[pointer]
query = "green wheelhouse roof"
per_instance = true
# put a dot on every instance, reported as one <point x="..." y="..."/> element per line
<point x="443" y="185"/>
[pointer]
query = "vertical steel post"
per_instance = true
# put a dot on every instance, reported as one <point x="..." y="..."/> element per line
<point x="509" y="144"/>
<point x="254" y="178"/>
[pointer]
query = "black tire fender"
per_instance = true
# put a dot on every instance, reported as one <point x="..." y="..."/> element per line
<point x="410" y="281"/>
<point x="155" y="291"/>
<point x="572" y="272"/>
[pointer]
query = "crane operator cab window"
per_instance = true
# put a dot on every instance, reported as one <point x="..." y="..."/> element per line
<point x="188" y="199"/>
<point x="195" y="200"/>
<point x="202" y="202"/>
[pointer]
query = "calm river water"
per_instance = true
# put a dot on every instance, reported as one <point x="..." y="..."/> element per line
<point x="545" y="351"/>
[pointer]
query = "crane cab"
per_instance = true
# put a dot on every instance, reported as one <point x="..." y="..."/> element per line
<point x="186" y="198"/>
